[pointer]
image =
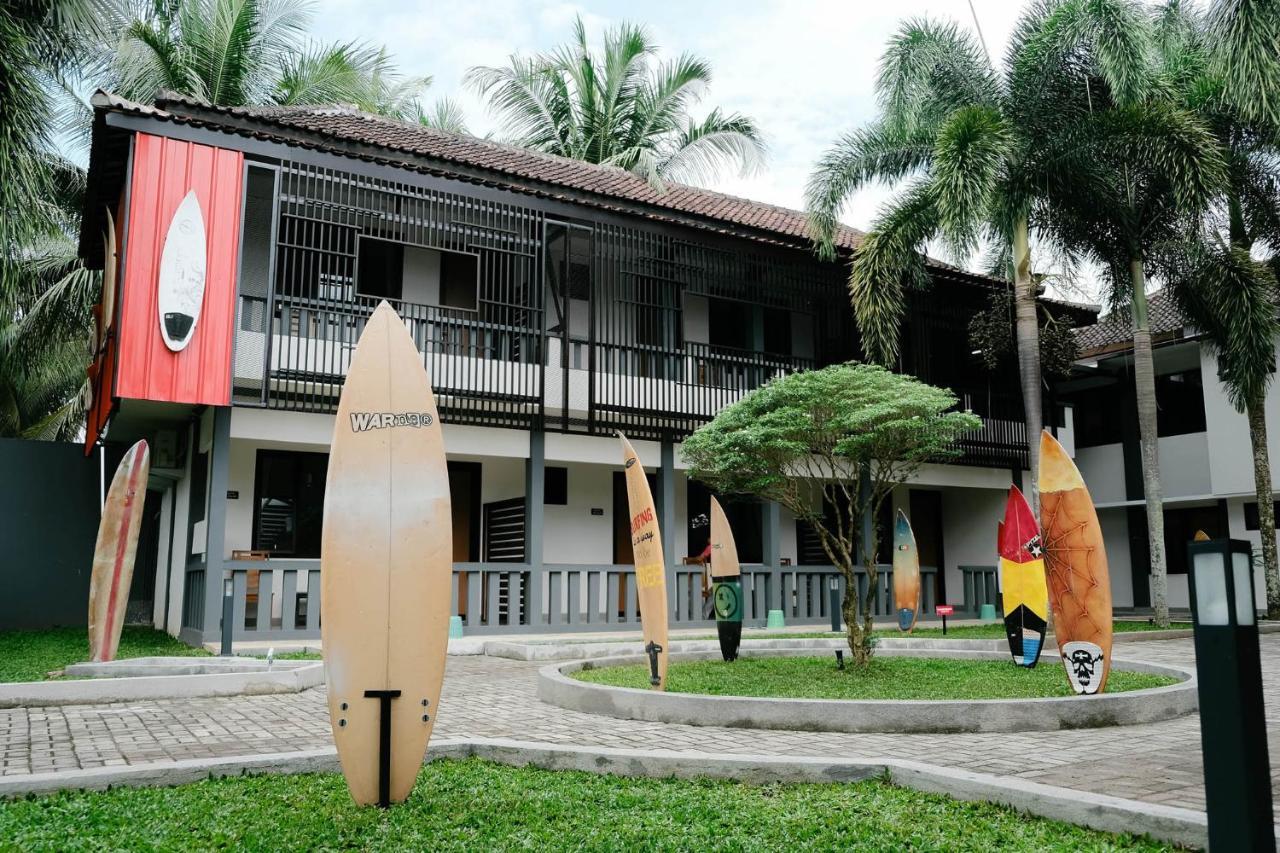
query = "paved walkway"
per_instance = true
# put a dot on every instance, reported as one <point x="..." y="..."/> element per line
<point x="494" y="697"/>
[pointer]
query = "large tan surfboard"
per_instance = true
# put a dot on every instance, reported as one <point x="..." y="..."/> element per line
<point x="1075" y="563"/>
<point x="386" y="560"/>
<point x="114" y="552"/>
<point x="651" y="570"/>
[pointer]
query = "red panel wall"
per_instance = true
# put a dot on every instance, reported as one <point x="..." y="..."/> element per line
<point x="164" y="170"/>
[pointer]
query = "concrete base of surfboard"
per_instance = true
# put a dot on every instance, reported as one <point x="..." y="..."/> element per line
<point x="134" y="680"/>
<point x="556" y="687"/>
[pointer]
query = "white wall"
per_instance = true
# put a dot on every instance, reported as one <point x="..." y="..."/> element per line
<point x="1184" y="468"/>
<point x="696" y="325"/>
<point x="1236" y="530"/>
<point x="969" y="518"/>
<point x="572" y="534"/>
<point x="1232" y="462"/>
<point x="420" y="280"/>
<point x="1102" y="468"/>
<point x="1115" y="538"/>
<point x="1188" y="470"/>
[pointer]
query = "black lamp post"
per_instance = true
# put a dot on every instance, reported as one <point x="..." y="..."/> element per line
<point x="834" y="604"/>
<point x="1233" y="731"/>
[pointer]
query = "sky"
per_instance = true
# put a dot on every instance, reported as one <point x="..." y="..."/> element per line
<point x="804" y="70"/>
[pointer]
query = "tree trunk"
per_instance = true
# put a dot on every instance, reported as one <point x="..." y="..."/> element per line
<point x="1028" y="329"/>
<point x="1145" y="387"/>
<point x="1256" y="411"/>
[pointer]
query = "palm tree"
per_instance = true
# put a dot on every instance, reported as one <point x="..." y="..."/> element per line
<point x="619" y="107"/>
<point x="237" y="52"/>
<point x="1128" y="167"/>
<point x="964" y="137"/>
<point x="45" y="321"/>
<point x="40" y="41"/>
<point x="45" y="293"/>
<point x="1218" y="285"/>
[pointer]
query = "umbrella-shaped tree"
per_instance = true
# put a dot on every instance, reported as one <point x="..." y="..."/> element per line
<point x="830" y="445"/>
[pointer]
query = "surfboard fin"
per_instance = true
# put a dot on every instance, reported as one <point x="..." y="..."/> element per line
<point x="653" y="650"/>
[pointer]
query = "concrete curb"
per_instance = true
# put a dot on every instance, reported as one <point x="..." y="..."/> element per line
<point x="555" y="687"/>
<point x="140" y="667"/>
<point x="37" y="694"/>
<point x="580" y="651"/>
<point x="1097" y="811"/>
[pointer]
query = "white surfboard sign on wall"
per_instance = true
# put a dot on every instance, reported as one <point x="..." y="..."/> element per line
<point x="182" y="273"/>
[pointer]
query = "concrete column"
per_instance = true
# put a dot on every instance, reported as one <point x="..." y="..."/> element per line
<point x="216" y="523"/>
<point x="666" y="500"/>
<point x="535" y="470"/>
<point x="771" y="539"/>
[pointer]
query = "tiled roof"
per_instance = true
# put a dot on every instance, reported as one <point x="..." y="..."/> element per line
<point x="518" y="168"/>
<point x="1115" y="330"/>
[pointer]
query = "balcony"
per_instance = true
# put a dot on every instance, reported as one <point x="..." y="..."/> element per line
<point x="293" y="352"/>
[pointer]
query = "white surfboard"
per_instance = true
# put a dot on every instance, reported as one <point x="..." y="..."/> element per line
<point x="182" y="274"/>
<point x="386" y="554"/>
<point x="110" y="262"/>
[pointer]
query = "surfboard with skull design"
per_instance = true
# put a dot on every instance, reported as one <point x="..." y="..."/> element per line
<point x="1076" y="568"/>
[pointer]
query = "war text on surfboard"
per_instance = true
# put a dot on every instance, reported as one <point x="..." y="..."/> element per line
<point x="362" y="421"/>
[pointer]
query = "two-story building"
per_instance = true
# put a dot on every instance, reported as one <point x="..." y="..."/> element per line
<point x="554" y="302"/>
<point x="1206" y="458"/>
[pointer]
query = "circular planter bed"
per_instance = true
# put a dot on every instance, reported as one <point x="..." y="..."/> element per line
<point x="557" y="686"/>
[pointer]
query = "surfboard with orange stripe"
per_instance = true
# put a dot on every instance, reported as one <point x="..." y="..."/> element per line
<point x="114" y="552"/>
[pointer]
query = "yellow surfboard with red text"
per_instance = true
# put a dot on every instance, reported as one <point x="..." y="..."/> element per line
<point x="651" y="570"/>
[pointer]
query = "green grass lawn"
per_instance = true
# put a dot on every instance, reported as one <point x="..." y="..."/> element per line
<point x="30" y="655"/>
<point x="477" y="805"/>
<point x="989" y="631"/>
<point x="886" y="678"/>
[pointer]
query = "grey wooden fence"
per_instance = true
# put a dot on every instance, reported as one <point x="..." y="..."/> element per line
<point x="280" y="599"/>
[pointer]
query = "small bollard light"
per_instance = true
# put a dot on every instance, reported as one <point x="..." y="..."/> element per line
<point x="835" y="604"/>
<point x="228" y="609"/>
<point x="839" y="659"/>
<point x="1233" y="730"/>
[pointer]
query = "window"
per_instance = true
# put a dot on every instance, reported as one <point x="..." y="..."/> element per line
<point x="746" y="520"/>
<point x="568" y="275"/>
<point x="555" y="486"/>
<point x="288" y="504"/>
<point x="459" y="280"/>
<point x="1180" y="526"/>
<point x="1251" y="514"/>
<point x="777" y="331"/>
<point x="1181" y="400"/>
<point x="380" y="272"/>
<point x="731" y="324"/>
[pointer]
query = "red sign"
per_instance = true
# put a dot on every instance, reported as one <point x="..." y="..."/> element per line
<point x="945" y="609"/>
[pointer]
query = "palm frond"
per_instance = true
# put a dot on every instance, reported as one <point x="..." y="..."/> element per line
<point x="1245" y="35"/>
<point x="1231" y="298"/>
<point x="889" y="261"/>
<point x="929" y="68"/>
<point x="445" y="114"/>
<point x="972" y="148"/>
<point x="707" y="147"/>
<point x="878" y="152"/>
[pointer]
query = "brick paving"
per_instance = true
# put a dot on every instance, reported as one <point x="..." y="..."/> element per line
<point x="495" y="697"/>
